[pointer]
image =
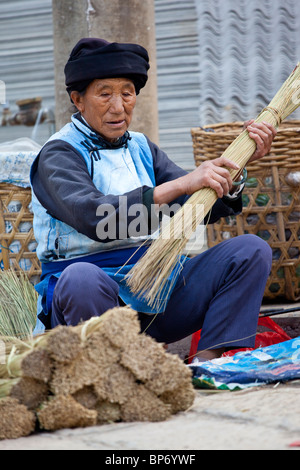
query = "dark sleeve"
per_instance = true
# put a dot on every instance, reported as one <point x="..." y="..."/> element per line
<point x="62" y="183"/>
<point x="223" y="208"/>
<point x="166" y="170"/>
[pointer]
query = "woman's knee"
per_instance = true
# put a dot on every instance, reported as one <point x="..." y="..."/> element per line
<point x="254" y="249"/>
<point x="83" y="281"/>
<point x="257" y="245"/>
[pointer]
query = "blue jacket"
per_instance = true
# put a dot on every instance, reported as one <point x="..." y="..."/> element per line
<point x="117" y="171"/>
<point x="77" y="173"/>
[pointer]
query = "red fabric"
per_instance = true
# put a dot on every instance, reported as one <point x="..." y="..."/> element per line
<point x="267" y="338"/>
<point x="295" y="444"/>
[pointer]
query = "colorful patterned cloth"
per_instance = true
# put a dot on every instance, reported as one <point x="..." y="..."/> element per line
<point x="276" y="363"/>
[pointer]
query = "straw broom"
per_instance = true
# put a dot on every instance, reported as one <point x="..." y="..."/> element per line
<point x="149" y="276"/>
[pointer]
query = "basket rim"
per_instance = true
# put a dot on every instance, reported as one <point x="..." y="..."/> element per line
<point x="234" y="126"/>
<point x="208" y="145"/>
<point x="10" y="186"/>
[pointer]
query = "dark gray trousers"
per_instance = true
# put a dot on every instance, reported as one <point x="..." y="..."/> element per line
<point x="219" y="291"/>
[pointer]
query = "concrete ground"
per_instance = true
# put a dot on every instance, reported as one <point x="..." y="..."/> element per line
<point x="266" y="418"/>
<point x="260" y="418"/>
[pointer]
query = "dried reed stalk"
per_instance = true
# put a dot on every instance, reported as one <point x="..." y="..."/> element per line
<point x="18" y="300"/>
<point x="149" y="276"/>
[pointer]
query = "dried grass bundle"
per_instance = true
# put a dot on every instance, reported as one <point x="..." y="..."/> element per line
<point x="16" y="419"/>
<point x="101" y="371"/>
<point x="18" y="300"/>
<point x="148" y="277"/>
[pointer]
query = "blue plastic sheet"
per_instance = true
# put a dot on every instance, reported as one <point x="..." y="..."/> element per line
<point x="276" y="363"/>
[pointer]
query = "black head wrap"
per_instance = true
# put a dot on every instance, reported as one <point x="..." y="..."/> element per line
<point x="94" y="58"/>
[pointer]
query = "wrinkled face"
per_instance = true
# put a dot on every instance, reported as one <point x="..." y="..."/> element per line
<point x="107" y="106"/>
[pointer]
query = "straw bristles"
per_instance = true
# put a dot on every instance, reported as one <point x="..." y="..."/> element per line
<point x="18" y="300"/>
<point x="148" y="278"/>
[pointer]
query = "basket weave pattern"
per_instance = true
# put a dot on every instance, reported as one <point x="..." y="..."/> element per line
<point x="17" y="243"/>
<point x="271" y="201"/>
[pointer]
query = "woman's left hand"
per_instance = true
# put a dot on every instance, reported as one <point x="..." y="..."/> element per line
<point x="263" y="134"/>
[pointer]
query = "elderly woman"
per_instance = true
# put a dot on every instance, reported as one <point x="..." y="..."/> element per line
<point x="91" y="174"/>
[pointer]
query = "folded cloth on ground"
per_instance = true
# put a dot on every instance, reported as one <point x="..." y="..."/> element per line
<point x="16" y="158"/>
<point x="276" y="363"/>
<point x="273" y="334"/>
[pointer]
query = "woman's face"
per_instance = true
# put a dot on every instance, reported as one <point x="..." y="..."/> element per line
<point x="107" y="106"/>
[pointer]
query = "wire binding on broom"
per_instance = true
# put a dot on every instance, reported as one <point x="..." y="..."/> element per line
<point x="149" y="276"/>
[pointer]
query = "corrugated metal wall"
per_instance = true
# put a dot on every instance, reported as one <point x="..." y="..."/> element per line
<point x="246" y="51"/>
<point x="26" y="59"/>
<point x="178" y="76"/>
<point x="218" y="60"/>
<point x="26" y="49"/>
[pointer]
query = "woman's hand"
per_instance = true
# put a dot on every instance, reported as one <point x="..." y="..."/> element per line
<point x="211" y="174"/>
<point x="263" y="134"/>
<point x="214" y="173"/>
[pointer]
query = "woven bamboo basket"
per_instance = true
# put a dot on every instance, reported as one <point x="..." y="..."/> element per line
<point x="17" y="243"/>
<point x="271" y="201"/>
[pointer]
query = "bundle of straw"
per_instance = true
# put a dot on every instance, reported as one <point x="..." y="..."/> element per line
<point x="149" y="276"/>
<point x="18" y="300"/>
<point x="101" y="371"/>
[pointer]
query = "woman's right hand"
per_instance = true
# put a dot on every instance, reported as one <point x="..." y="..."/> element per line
<point x="211" y="174"/>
